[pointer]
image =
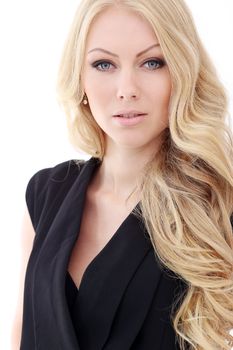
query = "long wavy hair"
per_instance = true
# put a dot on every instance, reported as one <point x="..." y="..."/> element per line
<point x="187" y="189"/>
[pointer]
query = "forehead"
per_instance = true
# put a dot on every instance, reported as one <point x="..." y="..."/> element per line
<point x="118" y="26"/>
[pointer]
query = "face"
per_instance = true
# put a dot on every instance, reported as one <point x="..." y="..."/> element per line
<point x="131" y="76"/>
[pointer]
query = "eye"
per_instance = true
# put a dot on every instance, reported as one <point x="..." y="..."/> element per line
<point x="157" y="63"/>
<point x="102" y="64"/>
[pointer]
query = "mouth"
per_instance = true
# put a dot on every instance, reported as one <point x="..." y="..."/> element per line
<point x="129" y="115"/>
<point x="129" y="119"/>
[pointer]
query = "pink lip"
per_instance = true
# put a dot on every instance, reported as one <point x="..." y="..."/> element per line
<point x="129" y="121"/>
<point x="128" y="111"/>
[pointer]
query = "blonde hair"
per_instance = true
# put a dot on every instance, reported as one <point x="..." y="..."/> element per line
<point x="187" y="190"/>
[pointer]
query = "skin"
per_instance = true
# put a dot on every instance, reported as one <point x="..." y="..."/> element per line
<point x="127" y="82"/>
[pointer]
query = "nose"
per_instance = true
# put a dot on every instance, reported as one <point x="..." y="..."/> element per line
<point x="127" y="89"/>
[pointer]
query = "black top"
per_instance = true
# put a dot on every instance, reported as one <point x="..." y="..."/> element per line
<point x="125" y="296"/>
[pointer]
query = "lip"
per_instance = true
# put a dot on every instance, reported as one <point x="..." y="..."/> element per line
<point x="128" y="111"/>
<point x="127" y="122"/>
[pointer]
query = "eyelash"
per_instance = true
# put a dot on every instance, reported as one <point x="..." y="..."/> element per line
<point x="99" y="62"/>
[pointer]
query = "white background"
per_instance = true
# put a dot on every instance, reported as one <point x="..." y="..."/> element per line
<point x="33" y="129"/>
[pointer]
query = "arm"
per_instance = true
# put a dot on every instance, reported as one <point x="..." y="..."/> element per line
<point x="27" y="237"/>
<point x="43" y="188"/>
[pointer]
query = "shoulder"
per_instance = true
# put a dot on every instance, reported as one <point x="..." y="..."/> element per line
<point x="56" y="174"/>
<point x="49" y="185"/>
<point x="53" y="177"/>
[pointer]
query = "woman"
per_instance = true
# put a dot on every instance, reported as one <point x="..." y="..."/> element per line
<point x="133" y="248"/>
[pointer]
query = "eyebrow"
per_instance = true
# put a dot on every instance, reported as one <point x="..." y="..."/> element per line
<point x="113" y="54"/>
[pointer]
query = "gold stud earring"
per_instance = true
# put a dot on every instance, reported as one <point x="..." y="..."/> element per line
<point x="85" y="102"/>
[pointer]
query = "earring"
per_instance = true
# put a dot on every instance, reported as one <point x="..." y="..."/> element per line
<point x="85" y="102"/>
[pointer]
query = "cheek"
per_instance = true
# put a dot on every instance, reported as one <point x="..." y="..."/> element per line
<point x="160" y="101"/>
<point x="95" y="83"/>
<point x="158" y="86"/>
<point x="162" y="93"/>
<point x="165" y="101"/>
<point x="98" y="92"/>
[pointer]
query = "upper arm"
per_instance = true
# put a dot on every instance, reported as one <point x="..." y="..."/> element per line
<point x="41" y="191"/>
<point x="27" y="235"/>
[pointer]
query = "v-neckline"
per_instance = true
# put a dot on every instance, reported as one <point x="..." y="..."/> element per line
<point x="108" y="245"/>
<point x="128" y="258"/>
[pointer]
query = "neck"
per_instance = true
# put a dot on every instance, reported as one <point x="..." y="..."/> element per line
<point x="121" y="171"/>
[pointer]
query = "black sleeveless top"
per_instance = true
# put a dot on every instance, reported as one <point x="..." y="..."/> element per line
<point x="125" y="298"/>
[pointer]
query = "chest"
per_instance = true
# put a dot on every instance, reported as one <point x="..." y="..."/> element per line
<point x="100" y="221"/>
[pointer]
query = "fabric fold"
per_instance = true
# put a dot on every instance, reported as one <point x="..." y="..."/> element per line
<point x="111" y="307"/>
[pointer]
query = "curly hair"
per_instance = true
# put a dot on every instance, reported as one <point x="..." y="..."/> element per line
<point x="187" y="189"/>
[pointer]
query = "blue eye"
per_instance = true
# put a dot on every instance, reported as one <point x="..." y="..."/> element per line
<point x="157" y="63"/>
<point x="100" y="63"/>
